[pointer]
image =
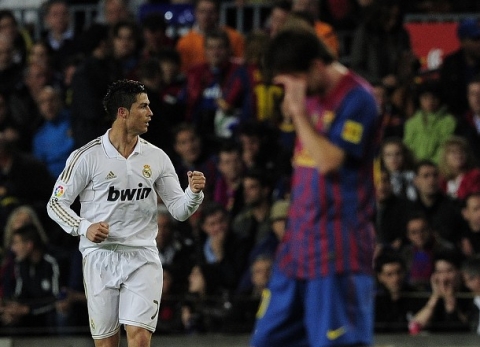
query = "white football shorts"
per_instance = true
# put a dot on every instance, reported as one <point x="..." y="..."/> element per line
<point x="123" y="285"/>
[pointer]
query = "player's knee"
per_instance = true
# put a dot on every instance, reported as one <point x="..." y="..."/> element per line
<point x="138" y="337"/>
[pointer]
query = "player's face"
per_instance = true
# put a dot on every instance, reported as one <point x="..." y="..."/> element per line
<point x="139" y="115"/>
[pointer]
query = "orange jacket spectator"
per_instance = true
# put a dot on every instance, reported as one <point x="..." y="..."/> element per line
<point x="191" y="47"/>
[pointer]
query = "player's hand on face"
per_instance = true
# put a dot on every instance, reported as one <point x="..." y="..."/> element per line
<point x="98" y="232"/>
<point x="295" y="91"/>
<point x="196" y="181"/>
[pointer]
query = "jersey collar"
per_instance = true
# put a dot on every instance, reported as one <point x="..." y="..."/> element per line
<point x="112" y="151"/>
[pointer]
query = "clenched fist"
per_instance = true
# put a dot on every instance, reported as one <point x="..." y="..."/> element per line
<point x="196" y="181"/>
<point x="98" y="232"/>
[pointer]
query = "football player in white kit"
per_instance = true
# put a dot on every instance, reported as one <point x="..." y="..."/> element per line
<point x="117" y="178"/>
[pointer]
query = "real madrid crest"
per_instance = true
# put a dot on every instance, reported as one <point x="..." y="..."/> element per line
<point x="147" y="171"/>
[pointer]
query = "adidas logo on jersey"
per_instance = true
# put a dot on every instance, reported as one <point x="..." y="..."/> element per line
<point x="128" y="194"/>
<point x="110" y="176"/>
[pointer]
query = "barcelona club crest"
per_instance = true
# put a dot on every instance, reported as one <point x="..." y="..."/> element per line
<point x="147" y="171"/>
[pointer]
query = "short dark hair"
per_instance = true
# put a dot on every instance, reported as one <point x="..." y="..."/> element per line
<point x="122" y="93"/>
<point x="217" y="34"/>
<point x="294" y="50"/>
<point x="154" y="21"/>
<point x="388" y="256"/>
<point x="209" y="209"/>
<point x="424" y="162"/>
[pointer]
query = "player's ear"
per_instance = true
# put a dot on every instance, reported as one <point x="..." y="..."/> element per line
<point x="122" y="112"/>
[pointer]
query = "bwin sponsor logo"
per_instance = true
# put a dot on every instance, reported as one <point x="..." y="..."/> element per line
<point x="128" y="194"/>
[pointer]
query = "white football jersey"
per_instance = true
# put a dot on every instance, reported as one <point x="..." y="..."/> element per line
<point x="120" y="191"/>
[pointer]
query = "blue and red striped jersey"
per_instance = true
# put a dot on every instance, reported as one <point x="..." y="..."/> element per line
<point x="330" y="221"/>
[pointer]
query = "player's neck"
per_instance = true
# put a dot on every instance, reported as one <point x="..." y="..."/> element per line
<point x="123" y="141"/>
<point x="335" y="72"/>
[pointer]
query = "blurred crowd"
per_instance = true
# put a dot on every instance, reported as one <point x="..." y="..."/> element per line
<point x="216" y="111"/>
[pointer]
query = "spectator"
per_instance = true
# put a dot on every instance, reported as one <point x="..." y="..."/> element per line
<point x="89" y="85"/>
<point x="391" y="119"/>
<point x="71" y="304"/>
<point x="169" y="314"/>
<point x="191" y="46"/>
<point x="217" y="245"/>
<point x="277" y="17"/>
<point x="391" y="214"/>
<point x="443" y="310"/>
<point x="59" y="34"/>
<point x="227" y="188"/>
<point x="395" y="302"/>
<point x="252" y="225"/>
<point x="460" y="67"/>
<point x="431" y="124"/>
<point x="110" y="12"/>
<point x="442" y="213"/>
<point x="19" y="37"/>
<point x="203" y="310"/>
<point x="17" y="187"/>
<point x="324" y="31"/>
<point x="459" y="174"/>
<point x="190" y="154"/>
<point x="397" y="159"/>
<point x="217" y="93"/>
<point x="29" y="301"/>
<point x="8" y="129"/>
<point x="10" y="72"/>
<point x="380" y="43"/>
<point x="176" y="250"/>
<point x="470" y="235"/>
<point x="469" y="125"/>
<point x="23" y="102"/>
<point x="471" y="277"/>
<point x="126" y="44"/>
<point x="420" y="250"/>
<point x="154" y="36"/>
<point x="53" y="142"/>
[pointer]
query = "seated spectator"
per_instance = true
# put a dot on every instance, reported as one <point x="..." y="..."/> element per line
<point x="470" y="235"/>
<point x="419" y="253"/>
<point x="441" y="211"/>
<point x="217" y="93"/>
<point x="175" y="249"/>
<point x="8" y="129"/>
<point x="10" y="71"/>
<point x="267" y="247"/>
<point x="461" y="66"/>
<point x="459" y="174"/>
<point x="468" y="125"/>
<point x="16" y="184"/>
<point x="154" y="36"/>
<point x="169" y="314"/>
<point x="20" y="216"/>
<point x="471" y="278"/>
<point x="190" y="155"/>
<point x="380" y="45"/>
<point x="324" y="31"/>
<point x="444" y="311"/>
<point x="29" y="300"/>
<point x="391" y="217"/>
<point x="398" y="160"/>
<point x="431" y="124"/>
<point x="252" y="225"/>
<point x="59" y="34"/>
<point x="71" y="304"/>
<point x="125" y="46"/>
<point x="203" y="310"/>
<point x="227" y="188"/>
<point x="241" y="316"/>
<point x="217" y="245"/>
<point x="391" y="118"/>
<point x="191" y="46"/>
<point x="394" y="302"/>
<point x="20" y="37"/>
<point x="53" y="141"/>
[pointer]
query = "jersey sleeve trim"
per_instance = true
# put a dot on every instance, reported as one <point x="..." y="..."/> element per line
<point x="67" y="172"/>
